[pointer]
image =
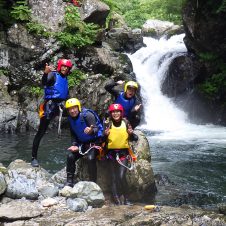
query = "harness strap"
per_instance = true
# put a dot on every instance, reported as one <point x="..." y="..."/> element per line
<point x="129" y="158"/>
<point x="91" y="147"/>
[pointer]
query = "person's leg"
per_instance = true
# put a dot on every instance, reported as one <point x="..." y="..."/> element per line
<point x="92" y="167"/>
<point x="123" y="181"/>
<point x="114" y="181"/>
<point x="72" y="157"/>
<point x="44" y="123"/>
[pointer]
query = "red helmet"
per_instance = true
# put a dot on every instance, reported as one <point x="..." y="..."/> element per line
<point x="114" y="107"/>
<point x="63" y="62"/>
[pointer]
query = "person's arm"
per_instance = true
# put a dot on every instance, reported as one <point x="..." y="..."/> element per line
<point x="137" y="106"/>
<point x="48" y="79"/>
<point x="111" y="88"/>
<point x="91" y="123"/>
<point x="132" y="135"/>
<point x="74" y="142"/>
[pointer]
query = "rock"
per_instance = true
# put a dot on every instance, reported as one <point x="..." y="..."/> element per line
<point x="19" y="186"/>
<point x="158" y="28"/>
<point x="49" y="191"/>
<point x="2" y="184"/>
<point x="94" y="11"/>
<point x="48" y="202"/>
<point x="66" y="191"/>
<point x="124" y="39"/>
<point x="50" y="13"/>
<point x="77" y="204"/>
<point x="89" y="191"/>
<point x="20" y="209"/>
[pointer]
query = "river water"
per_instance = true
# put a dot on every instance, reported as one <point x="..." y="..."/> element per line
<point x="193" y="157"/>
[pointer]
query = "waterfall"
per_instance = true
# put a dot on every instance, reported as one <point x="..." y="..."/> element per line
<point x="150" y="65"/>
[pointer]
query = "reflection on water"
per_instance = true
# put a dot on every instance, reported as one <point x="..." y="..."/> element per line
<point x="51" y="154"/>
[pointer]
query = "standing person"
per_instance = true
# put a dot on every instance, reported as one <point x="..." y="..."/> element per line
<point x="117" y="134"/>
<point x="127" y="99"/>
<point x="86" y="131"/>
<point x="55" y="92"/>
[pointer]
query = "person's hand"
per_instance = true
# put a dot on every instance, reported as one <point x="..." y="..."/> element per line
<point x="73" y="148"/>
<point x="137" y="107"/>
<point x="120" y="82"/>
<point x="48" y="68"/>
<point x="107" y="131"/>
<point x="89" y="130"/>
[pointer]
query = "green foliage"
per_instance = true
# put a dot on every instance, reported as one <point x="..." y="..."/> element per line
<point x="208" y="56"/>
<point x="214" y="86"/>
<point x="4" y="71"/>
<point x="76" y="32"/>
<point x="75" y="78"/>
<point x="222" y="8"/>
<point x="38" y="29"/>
<point x="20" y="11"/>
<point x="36" y="91"/>
<point x="136" y="12"/>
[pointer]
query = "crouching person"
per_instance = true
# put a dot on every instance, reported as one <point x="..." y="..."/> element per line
<point x="117" y="135"/>
<point x="86" y="131"/>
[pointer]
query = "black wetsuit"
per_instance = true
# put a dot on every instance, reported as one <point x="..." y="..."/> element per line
<point x="134" y="116"/>
<point x="72" y="157"/>
<point x="51" y="110"/>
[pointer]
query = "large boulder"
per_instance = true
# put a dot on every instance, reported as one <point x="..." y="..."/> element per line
<point x="94" y="11"/>
<point x="49" y="13"/>
<point x="158" y="28"/>
<point x="124" y="39"/>
<point x="2" y="184"/>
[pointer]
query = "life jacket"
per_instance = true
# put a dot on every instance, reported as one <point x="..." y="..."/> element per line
<point x="59" y="90"/>
<point x="118" y="137"/>
<point x="79" y="124"/>
<point x="127" y="104"/>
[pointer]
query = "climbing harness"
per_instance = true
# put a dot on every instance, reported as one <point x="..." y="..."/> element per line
<point x="91" y="147"/>
<point x="129" y="158"/>
<point x="60" y="119"/>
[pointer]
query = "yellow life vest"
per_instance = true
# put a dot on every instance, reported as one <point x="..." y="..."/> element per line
<point x="118" y="137"/>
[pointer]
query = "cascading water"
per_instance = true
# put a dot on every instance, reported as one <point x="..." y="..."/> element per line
<point x="193" y="156"/>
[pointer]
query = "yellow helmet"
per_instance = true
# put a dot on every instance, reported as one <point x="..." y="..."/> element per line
<point x="73" y="102"/>
<point x="130" y="84"/>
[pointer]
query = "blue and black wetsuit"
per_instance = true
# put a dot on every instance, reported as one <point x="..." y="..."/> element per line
<point x="80" y="139"/>
<point x="56" y="91"/>
<point x="128" y="104"/>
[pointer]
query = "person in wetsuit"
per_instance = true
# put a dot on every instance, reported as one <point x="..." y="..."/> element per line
<point x="87" y="132"/>
<point x="55" y="92"/>
<point x="127" y="99"/>
<point x="118" y="132"/>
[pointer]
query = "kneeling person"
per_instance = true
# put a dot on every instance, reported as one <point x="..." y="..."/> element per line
<point x="86" y="131"/>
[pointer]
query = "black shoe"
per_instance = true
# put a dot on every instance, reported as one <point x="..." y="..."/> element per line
<point x="117" y="200"/>
<point x="127" y="202"/>
<point x="34" y="163"/>
<point x="70" y="180"/>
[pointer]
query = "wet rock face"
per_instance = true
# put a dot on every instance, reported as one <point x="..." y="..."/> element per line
<point x="205" y="27"/>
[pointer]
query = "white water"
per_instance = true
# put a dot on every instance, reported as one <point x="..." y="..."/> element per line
<point x="150" y="65"/>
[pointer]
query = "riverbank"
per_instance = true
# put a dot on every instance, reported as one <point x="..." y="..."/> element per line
<point x="109" y="214"/>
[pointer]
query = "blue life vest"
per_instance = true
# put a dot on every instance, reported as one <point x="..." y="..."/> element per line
<point x="79" y="124"/>
<point x="59" y="90"/>
<point x="127" y="104"/>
